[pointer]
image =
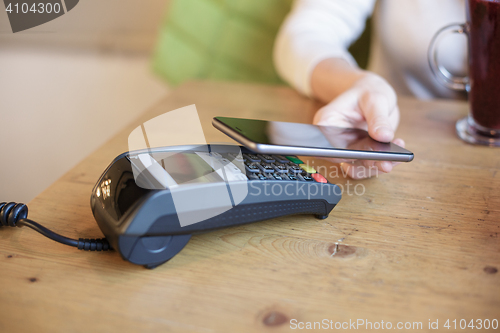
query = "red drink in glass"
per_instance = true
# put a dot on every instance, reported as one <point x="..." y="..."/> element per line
<point x="482" y="126"/>
<point x="483" y="25"/>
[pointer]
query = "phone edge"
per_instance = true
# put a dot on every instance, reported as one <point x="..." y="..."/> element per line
<point x="261" y="148"/>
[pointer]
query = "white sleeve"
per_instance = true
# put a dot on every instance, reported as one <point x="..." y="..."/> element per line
<point x="315" y="30"/>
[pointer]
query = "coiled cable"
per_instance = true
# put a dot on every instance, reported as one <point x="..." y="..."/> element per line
<point x="16" y="215"/>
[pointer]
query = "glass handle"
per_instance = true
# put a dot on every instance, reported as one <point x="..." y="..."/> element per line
<point x="442" y="74"/>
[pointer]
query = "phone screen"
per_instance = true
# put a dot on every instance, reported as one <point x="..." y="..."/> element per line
<point x="308" y="136"/>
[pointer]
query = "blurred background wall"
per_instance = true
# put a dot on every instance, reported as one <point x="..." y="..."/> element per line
<point x="69" y="85"/>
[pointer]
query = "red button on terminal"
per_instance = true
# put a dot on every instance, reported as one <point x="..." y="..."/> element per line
<point x="319" y="178"/>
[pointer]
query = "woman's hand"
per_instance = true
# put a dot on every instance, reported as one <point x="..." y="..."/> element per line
<point x="367" y="101"/>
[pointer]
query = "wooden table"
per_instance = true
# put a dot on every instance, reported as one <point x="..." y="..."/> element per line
<point x="422" y="243"/>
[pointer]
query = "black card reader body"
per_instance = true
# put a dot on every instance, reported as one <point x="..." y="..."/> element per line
<point x="149" y="203"/>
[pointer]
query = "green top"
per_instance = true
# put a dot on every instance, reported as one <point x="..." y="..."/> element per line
<point x="220" y="39"/>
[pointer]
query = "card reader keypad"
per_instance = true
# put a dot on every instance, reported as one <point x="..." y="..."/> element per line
<point x="251" y="158"/>
<point x="280" y="167"/>
<point x="277" y="167"/>
<point x="295" y="169"/>
<point x="251" y="167"/>
<point x="265" y="167"/>
<point x="266" y="158"/>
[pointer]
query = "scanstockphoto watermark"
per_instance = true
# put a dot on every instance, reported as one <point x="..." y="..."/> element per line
<point x="357" y="324"/>
<point x="364" y="324"/>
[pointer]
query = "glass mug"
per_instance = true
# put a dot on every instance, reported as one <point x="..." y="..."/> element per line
<point x="482" y="125"/>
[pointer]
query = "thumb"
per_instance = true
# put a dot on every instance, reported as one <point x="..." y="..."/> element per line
<point x="376" y="109"/>
<point x="340" y="112"/>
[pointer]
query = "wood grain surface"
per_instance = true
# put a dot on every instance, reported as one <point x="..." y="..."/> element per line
<point x="421" y="243"/>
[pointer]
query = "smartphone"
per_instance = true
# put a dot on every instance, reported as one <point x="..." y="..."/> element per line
<point x="283" y="138"/>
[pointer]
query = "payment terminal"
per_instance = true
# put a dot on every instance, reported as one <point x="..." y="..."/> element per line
<point x="148" y="203"/>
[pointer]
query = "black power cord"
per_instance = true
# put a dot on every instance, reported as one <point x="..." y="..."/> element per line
<point x="16" y="215"/>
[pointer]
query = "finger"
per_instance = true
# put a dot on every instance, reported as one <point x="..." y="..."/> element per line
<point x="368" y="163"/>
<point x="376" y="109"/>
<point x="360" y="169"/>
<point x="384" y="166"/>
<point x="352" y="170"/>
<point x="378" y="166"/>
<point x="366" y="169"/>
<point x="357" y="170"/>
<point x="341" y="112"/>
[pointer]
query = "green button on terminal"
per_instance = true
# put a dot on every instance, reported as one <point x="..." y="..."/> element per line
<point x="294" y="159"/>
